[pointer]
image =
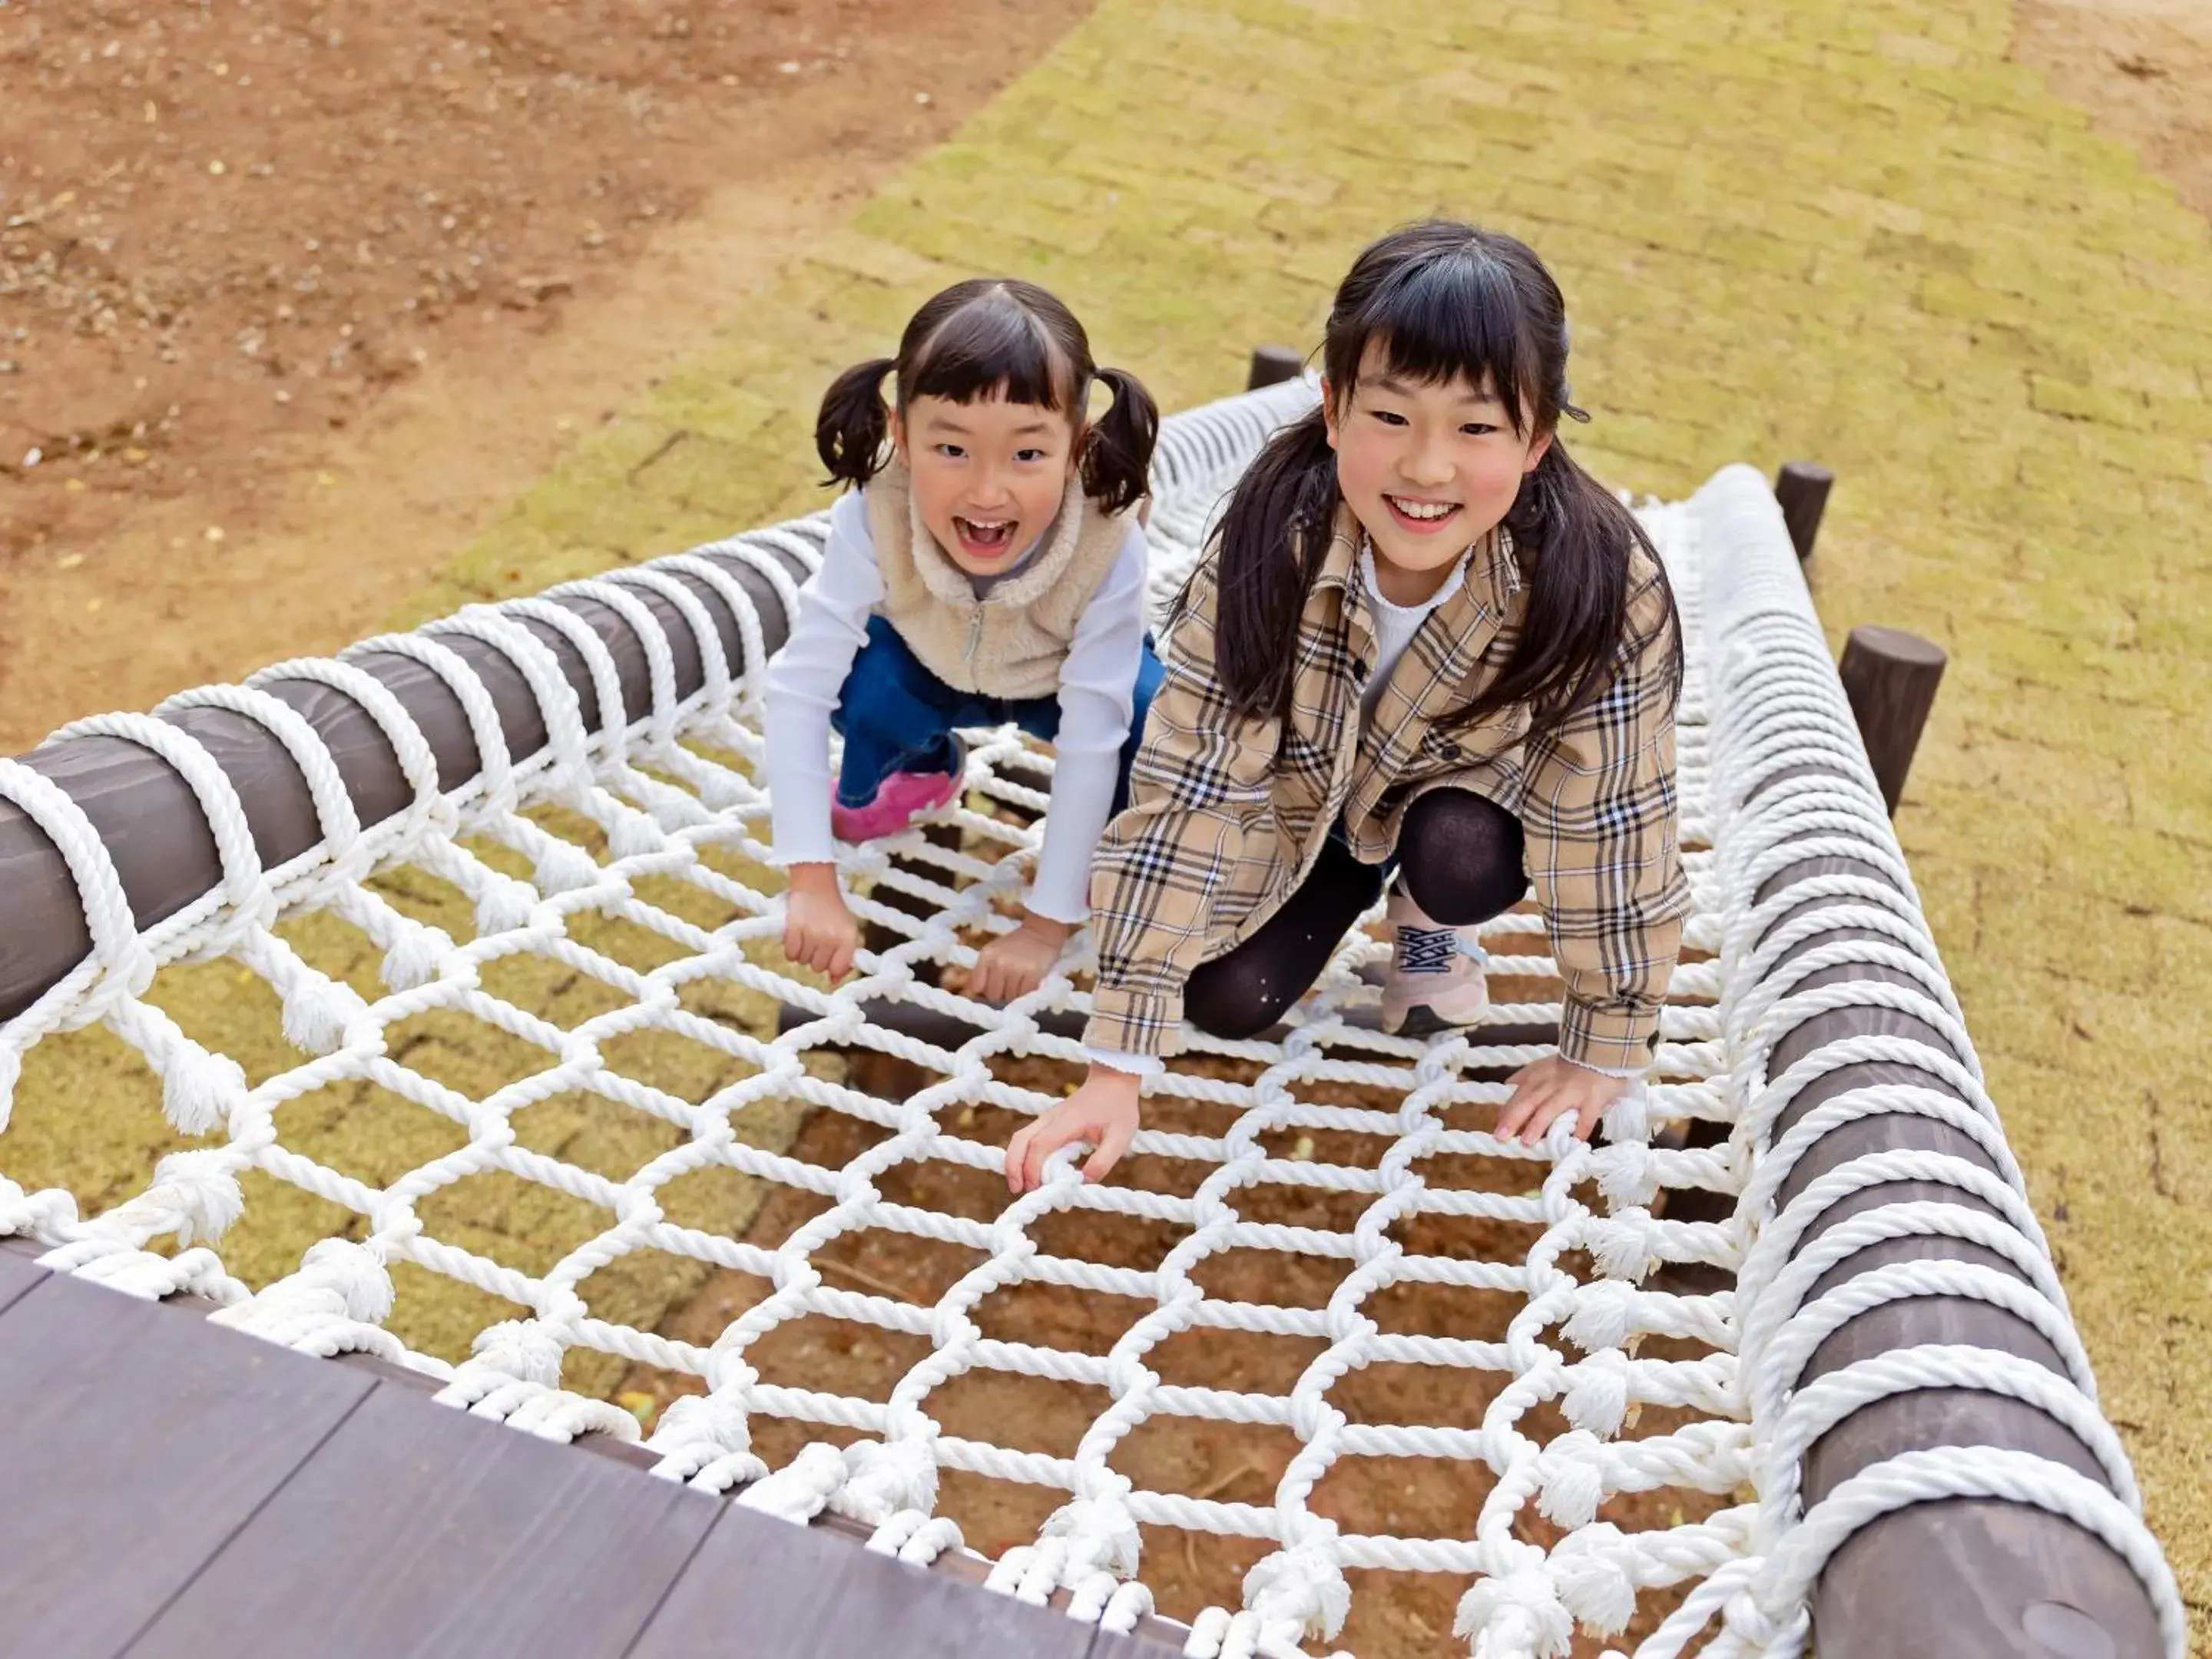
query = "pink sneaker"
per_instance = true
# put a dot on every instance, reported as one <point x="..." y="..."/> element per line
<point x="900" y="798"/>
<point x="1435" y="980"/>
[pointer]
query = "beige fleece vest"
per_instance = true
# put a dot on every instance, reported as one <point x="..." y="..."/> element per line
<point x="1011" y="642"/>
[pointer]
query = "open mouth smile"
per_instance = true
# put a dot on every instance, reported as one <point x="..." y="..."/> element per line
<point x="984" y="538"/>
<point x="1418" y="517"/>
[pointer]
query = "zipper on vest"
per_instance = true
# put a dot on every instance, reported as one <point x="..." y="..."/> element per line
<point x="974" y="635"/>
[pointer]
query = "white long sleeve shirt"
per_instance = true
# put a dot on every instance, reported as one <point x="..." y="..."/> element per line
<point x="1097" y="691"/>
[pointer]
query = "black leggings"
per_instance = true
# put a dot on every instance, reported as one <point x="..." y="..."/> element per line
<point x="1461" y="860"/>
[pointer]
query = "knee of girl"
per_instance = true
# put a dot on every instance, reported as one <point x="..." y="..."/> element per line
<point x="1461" y="896"/>
<point x="1463" y="858"/>
<point x="1233" y="1004"/>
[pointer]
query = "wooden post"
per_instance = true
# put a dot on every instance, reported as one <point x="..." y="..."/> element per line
<point x="1272" y="364"/>
<point x="1890" y="677"/>
<point x="1802" y="489"/>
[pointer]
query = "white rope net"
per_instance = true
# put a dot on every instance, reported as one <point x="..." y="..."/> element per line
<point x="1316" y="1251"/>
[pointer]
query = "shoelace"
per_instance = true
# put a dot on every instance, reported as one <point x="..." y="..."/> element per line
<point x="1431" y="949"/>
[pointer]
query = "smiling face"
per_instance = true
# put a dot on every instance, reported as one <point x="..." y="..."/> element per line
<point x="1427" y="468"/>
<point x="988" y="475"/>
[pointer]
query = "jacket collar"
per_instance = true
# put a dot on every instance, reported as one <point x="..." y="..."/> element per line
<point x="1493" y="568"/>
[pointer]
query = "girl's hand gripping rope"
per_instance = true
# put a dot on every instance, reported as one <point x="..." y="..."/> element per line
<point x="1552" y="1088"/>
<point x="1102" y="1112"/>
<point x="1014" y="964"/>
<point x="819" y="930"/>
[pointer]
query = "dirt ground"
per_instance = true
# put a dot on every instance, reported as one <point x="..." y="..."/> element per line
<point x="2142" y="68"/>
<point x="1395" y="1614"/>
<point x="278" y="279"/>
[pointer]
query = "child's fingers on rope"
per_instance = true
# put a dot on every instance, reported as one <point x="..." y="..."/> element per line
<point x="1551" y="1089"/>
<point x="819" y="932"/>
<point x="1008" y="966"/>
<point x="1105" y="1121"/>
<point x="1114" y="1139"/>
<point x="1027" y="1151"/>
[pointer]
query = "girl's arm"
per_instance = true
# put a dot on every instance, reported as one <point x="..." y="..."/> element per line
<point x="1198" y="774"/>
<point x="1600" y="818"/>
<point x="1097" y="687"/>
<point x="804" y="683"/>
<point x="1097" y="691"/>
<point x="805" y="679"/>
<point x="1151" y="891"/>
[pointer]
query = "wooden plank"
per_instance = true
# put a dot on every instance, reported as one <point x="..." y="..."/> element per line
<point x="419" y="1529"/>
<point x="1154" y="1636"/>
<point x="771" y="1590"/>
<point x="17" y="1275"/>
<point x="133" y="1441"/>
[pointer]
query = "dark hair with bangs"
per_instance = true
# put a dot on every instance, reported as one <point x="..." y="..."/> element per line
<point x="1443" y="300"/>
<point x="994" y="336"/>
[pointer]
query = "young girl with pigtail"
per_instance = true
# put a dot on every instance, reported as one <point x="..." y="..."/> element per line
<point x="1426" y="650"/>
<point x="986" y="568"/>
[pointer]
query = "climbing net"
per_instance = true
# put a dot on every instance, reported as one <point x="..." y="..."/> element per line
<point x="1626" y="1429"/>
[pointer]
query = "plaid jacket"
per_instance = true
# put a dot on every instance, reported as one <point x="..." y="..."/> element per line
<point x="1226" y="818"/>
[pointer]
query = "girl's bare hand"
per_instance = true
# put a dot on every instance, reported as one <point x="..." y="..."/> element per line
<point x="1551" y="1089"/>
<point x="1014" y="964"/>
<point x="1104" y="1112"/>
<point x="818" y="929"/>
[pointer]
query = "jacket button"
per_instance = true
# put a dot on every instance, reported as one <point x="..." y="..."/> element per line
<point x="1358" y="669"/>
<point x="1450" y="751"/>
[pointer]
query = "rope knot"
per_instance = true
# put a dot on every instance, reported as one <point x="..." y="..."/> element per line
<point x="1101" y="1537"/>
<point x="718" y="1420"/>
<point x="1605" y="1313"/>
<point x="1628" y="1120"/>
<point x="43" y="1215"/>
<point x="354" y="1274"/>
<point x="563" y="868"/>
<point x="317" y="1011"/>
<point x="1517" y="1613"/>
<point x="882" y="1478"/>
<point x="194" y="1195"/>
<point x="1574" y="1481"/>
<point x="1591" y="1566"/>
<point x="1626" y="1174"/>
<point x="518" y="1348"/>
<point x="199" y="1089"/>
<point x="1597" y="1397"/>
<point x="505" y="905"/>
<point x="1625" y="1246"/>
<point x="797" y="1492"/>
<point x="1302" y="1586"/>
<point x="1760" y="1630"/>
<point x="416" y="954"/>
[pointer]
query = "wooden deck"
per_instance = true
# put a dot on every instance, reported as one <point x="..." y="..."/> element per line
<point x="174" y="1489"/>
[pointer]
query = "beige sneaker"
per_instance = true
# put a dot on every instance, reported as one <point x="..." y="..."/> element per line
<point x="1435" y="983"/>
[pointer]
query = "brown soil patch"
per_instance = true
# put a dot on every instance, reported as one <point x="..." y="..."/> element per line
<point x="1394" y="1613"/>
<point x="291" y="296"/>
<point x="2143" y="70"/>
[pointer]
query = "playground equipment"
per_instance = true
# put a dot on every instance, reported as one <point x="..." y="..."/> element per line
<point x="1866" y="1387"/>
